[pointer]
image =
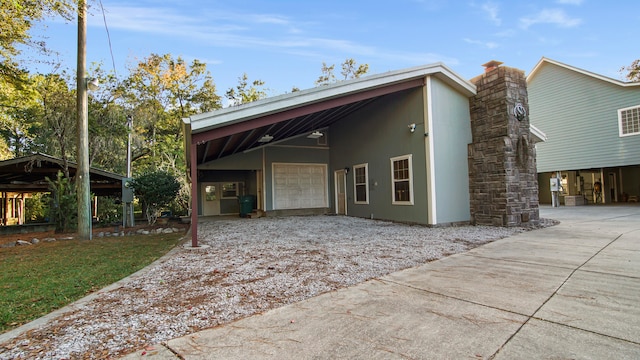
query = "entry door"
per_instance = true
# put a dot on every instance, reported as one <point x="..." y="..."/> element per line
<point x="211" y="199"/>
<point x="341" y="192"/>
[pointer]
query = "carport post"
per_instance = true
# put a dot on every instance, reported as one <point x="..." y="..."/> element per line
<point x="194" y="194"/>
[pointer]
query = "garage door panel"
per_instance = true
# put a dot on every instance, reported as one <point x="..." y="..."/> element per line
<point x="299" y="186"/>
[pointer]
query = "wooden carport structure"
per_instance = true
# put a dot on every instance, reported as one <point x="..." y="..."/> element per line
<point x="26" y="175"/>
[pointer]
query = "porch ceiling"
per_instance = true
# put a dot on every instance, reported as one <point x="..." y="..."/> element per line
<point x="241" y="136"/>
<point x="27" y="174"/>
<point x="285" y="129"/>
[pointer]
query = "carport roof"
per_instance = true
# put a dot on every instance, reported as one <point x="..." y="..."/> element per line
<point x="236" y="129"/>
<point x="27" y="174"/>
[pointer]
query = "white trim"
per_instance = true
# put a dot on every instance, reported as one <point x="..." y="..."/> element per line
<point x="408" y="157"/>
<point x="430" y="156"/>
<point x="538" y="135"/>
<point x="365" y="166"/>
<point x="620" y="132"/>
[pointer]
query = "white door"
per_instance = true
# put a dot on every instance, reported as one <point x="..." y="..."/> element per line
<point x="299" y="186"/>
<point x="210" y="199"/>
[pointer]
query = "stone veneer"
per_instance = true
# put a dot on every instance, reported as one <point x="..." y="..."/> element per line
<point x="503" y="182"/>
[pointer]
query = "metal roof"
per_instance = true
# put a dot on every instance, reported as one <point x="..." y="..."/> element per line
<point x="27" y="174"/>
<point x="236" y="129"/>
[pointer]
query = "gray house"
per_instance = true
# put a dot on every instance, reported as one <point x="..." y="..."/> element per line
<point x="391" y="146"/>
<point x="592" y="124"/>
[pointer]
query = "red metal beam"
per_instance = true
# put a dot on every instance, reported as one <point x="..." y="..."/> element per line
<point x="194" y="195"/>
<point x="201" y="138"/>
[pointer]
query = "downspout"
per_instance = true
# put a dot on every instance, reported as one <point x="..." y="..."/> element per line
<point x="194" y="194"/>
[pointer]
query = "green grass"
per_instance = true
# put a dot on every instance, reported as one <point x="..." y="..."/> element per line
<point x="35" y="280"/>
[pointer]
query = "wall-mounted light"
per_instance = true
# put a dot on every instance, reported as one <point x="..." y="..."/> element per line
<point x="346" y="170"/>
<point x="315" y="135"/>
<point x="412" y="127"/>
<point x="265" y="139"/>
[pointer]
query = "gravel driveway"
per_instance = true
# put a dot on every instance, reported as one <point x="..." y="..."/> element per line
<point x="250" y="266"/>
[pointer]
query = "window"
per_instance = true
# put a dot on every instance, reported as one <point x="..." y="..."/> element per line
<point x="229" y="190"/>
<point x="210" y="191"/>
<point x="402" y="183"/>
<point x="361" y="183"/>
<point x="629" y="121"/>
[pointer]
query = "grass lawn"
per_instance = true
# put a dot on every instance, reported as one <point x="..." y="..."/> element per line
<point x="35" y="280"/>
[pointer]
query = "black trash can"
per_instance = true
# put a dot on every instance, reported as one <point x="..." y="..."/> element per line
<point x="246" y="204"/>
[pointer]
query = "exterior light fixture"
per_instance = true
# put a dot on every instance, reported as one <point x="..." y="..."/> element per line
<point x="265" y="139"/>
<point x="315" y="135"/>
<point x="93" y="84"/>
<point x="412" y="127"/>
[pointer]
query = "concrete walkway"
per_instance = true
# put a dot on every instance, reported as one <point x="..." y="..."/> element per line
<point x="571" y="291"/>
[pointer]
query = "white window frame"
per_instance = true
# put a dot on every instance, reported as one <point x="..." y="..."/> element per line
<point x="394" y="180"/>
<point x="364" y="166"/>
<point x="635" y="110"/>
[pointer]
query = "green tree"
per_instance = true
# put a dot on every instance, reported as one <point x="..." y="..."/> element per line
<point x="55" y="117"/>
<point x="155" y="190"/>
<point x="159" y="92"/>
<point x="16" y="117"/>
<point x="63" y="206"/>
<point x="108" y="131"/>
<point x="16" y="19"/>
<point x="350" y="70"/>
<point x="632" y="71"/>
<point x="244" y="93"/>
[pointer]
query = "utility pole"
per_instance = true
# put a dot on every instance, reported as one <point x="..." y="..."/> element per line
<point x="83" y="187"/>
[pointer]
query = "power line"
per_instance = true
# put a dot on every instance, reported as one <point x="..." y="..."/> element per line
<point x="113" y="61"/>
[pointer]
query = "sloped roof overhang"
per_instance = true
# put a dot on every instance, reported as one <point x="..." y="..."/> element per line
<point x="27" y="174"/>
<point x="236" y="129"/>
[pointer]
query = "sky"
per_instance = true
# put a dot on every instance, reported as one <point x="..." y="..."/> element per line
<point x="285" y="42"/>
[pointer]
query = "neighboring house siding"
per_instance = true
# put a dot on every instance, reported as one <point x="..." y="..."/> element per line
<point x="451" y="134"/>
<point x="579" y="114"/>
<point x="374" y="135"/>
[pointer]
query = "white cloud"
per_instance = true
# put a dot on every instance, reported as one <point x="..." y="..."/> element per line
<point x="486" y="44"/>
<point x="492" y="9"/>
<point x="550" y="16"/>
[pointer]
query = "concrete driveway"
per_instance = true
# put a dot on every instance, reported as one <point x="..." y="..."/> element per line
<point x="570" y="291"/>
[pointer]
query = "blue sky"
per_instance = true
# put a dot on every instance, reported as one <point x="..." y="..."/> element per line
<point x="284" y="42"/>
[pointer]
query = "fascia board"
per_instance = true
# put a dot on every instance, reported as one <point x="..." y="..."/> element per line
<point x="227" y="116"/>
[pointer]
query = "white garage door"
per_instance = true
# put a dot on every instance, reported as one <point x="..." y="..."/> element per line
<point x="299" y="186"/>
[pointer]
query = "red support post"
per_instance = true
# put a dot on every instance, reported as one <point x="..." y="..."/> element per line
<point x="194" y="194"/>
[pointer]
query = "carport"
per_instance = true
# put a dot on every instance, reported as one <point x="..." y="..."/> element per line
<point x="242" y="129"/>
<point x="26" y="175"/>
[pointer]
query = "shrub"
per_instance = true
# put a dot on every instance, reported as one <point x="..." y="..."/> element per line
<point x="63" y="205"/>
<point x="155" y="190"/>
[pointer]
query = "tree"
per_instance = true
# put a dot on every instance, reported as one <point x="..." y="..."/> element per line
<point x="155" y="190"/>
<point x="159" y="92"/>
<point x="16" y="19"/>
<point x="55" y="117"/>
<point x="63" y="206"/>
<point x="350" y="70"/>
<point x="327" y="76"/>
<point x="17" y="107"/>
<point x="632" y="71"/>
<point x="244" y="93"/>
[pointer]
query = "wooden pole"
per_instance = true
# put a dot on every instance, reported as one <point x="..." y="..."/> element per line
<point x="82" y="175"/>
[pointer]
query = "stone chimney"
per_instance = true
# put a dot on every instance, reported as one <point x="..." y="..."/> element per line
<point x="503" y="181"/>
